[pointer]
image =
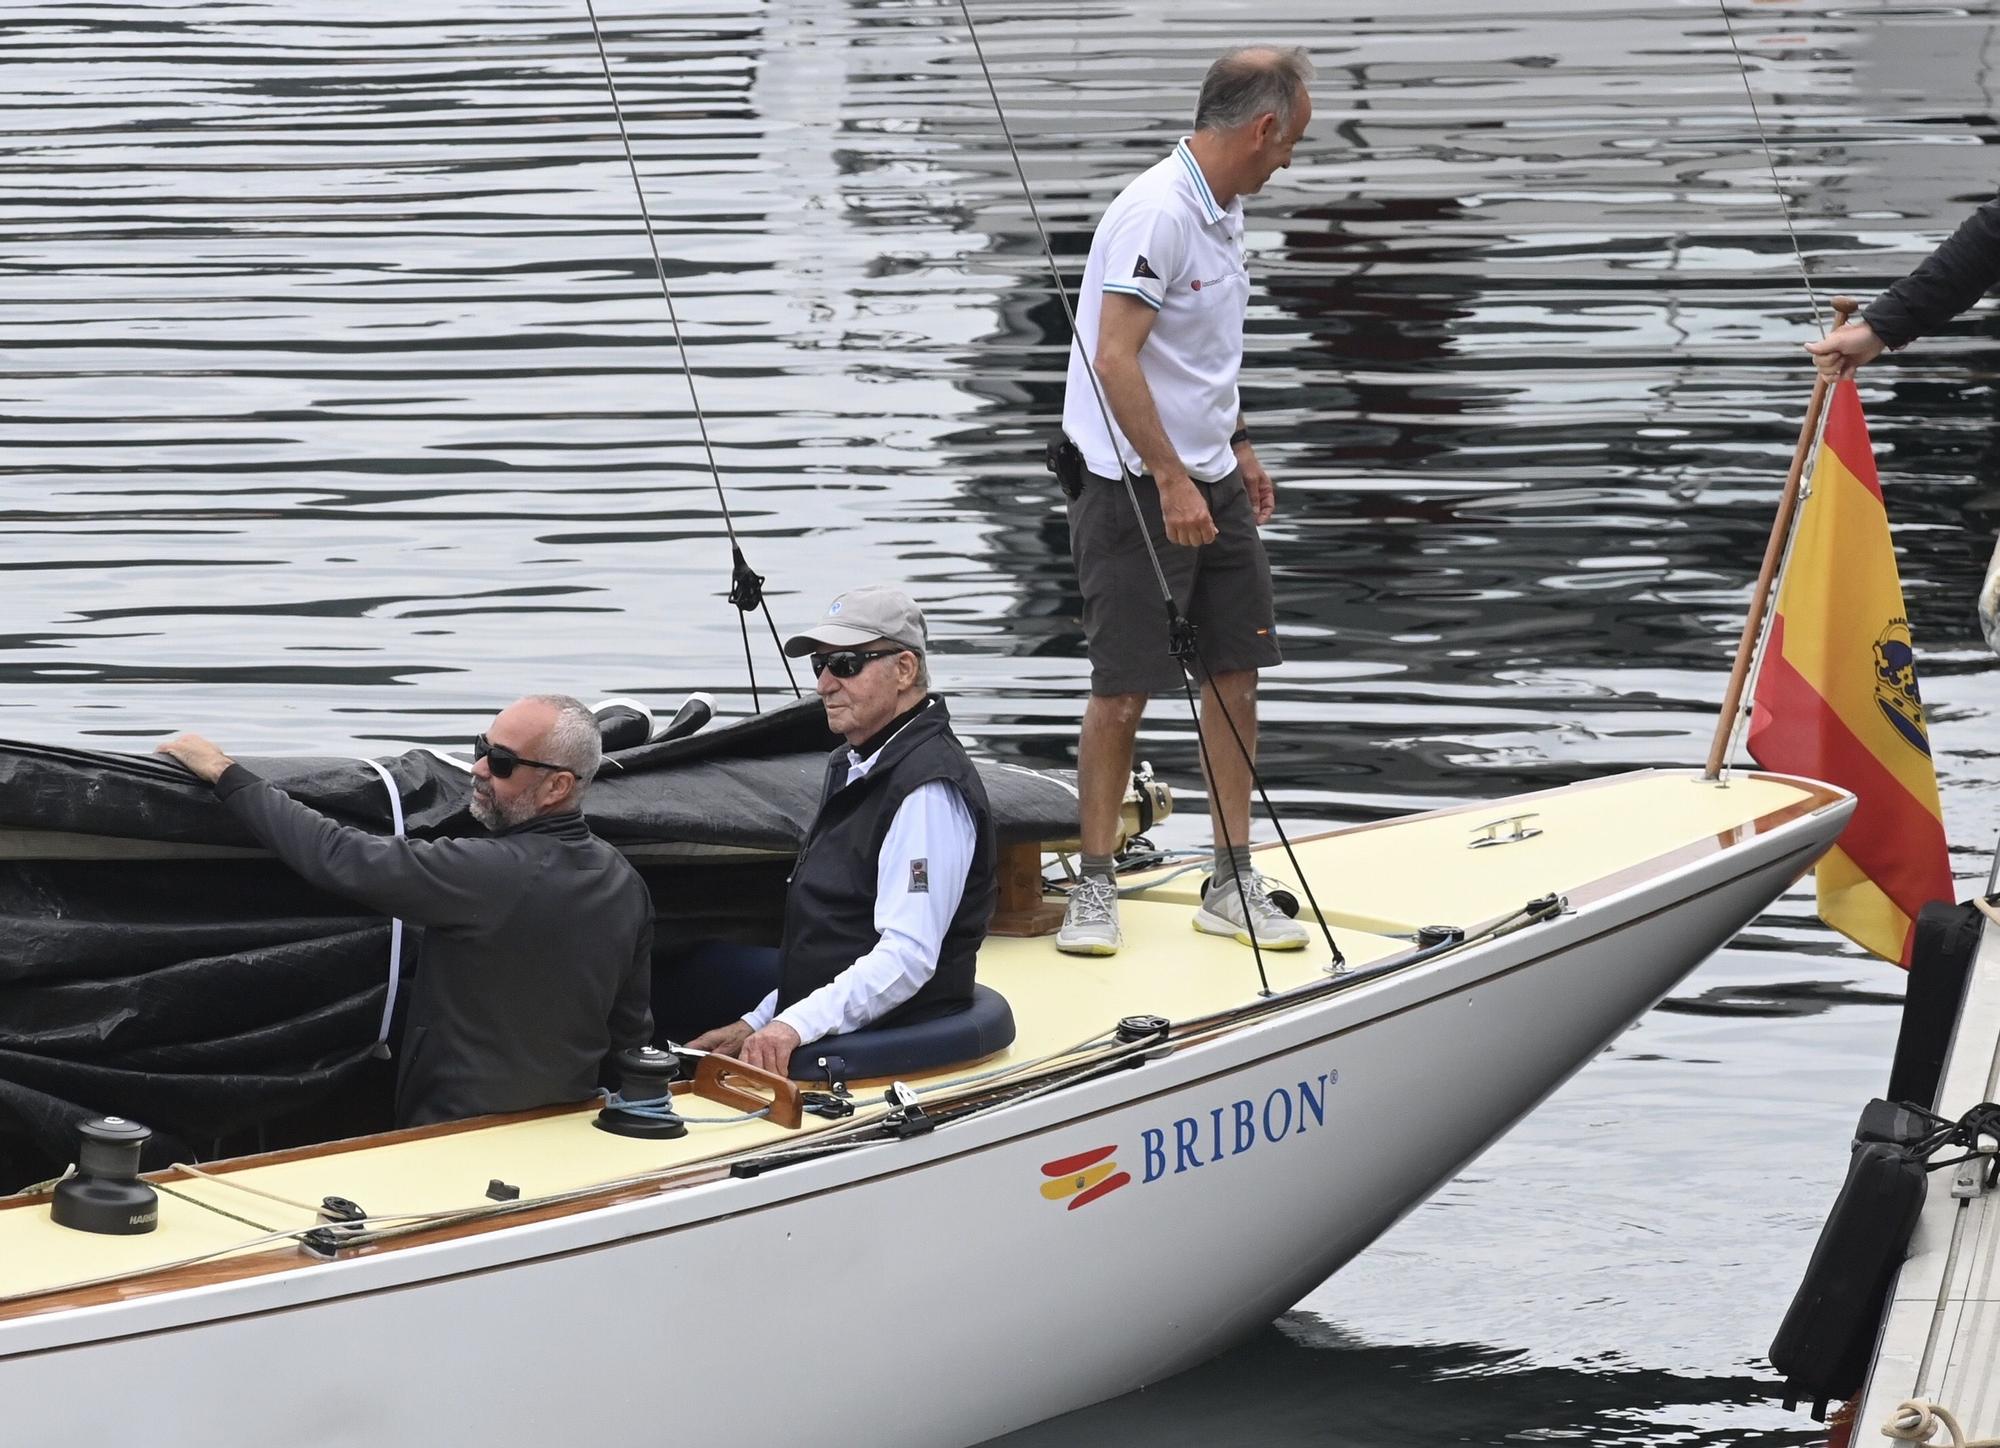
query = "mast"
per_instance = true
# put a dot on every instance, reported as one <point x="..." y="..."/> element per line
<point x="1750" y="645"/>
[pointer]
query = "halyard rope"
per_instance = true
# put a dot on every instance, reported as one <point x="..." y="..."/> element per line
<point x="1069" y="312"/>
<point x="1777" y="186"/>
<point x="210" y="1207"/>
<point x="1747" y="698"/>
<point x="745" y="587"/>
<point x="225" y="1181"/>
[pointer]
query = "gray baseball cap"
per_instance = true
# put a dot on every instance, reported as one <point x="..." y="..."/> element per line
<point x="861" y="616"/>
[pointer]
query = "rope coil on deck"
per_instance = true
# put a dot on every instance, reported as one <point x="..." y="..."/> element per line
<point x="661" y="1108"/>
<point x="1916" y="1419"/>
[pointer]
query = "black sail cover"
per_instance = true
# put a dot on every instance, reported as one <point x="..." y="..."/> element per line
<point x="214" y="996"/>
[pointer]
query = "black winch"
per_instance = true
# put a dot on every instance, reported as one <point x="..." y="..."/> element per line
<point x="644" y="1105"/>
<point x="105" y="1195"/>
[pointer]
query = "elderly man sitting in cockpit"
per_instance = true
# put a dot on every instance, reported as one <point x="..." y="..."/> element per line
<point x="892" y="890"/>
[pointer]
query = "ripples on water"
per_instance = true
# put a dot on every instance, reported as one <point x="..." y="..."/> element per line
<point x="341" y="405"/>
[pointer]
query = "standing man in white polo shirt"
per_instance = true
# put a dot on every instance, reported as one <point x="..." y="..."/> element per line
<point x="1161" y="318"/>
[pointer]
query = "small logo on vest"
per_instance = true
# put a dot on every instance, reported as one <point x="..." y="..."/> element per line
<point x="920" y="877"/>
<point x="1195" y="285"/>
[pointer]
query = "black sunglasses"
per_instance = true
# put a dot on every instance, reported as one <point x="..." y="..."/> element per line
<point x="849" y="662"/>
<point x="504" y="761"/>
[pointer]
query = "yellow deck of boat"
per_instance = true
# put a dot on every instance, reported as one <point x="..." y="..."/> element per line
<point x="1375" y="882"/>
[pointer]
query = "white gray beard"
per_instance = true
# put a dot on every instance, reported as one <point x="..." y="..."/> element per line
<point x="500" y="818"/>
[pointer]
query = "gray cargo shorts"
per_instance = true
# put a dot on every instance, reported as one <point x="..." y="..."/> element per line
<point x="1223" y="587"/>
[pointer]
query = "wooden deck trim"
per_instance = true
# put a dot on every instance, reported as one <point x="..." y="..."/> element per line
<point x="229" y="1164"/>
<point x="1820" y="793"/>
<point x="1818" y="797"/>
<point x="284" y="1258"/>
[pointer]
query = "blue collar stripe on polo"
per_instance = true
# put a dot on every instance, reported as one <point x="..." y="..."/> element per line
<point x="1207" y="197"/>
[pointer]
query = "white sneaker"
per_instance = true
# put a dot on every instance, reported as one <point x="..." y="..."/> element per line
<point x="1221" y="913"/>
<point x="1090" y="923"/>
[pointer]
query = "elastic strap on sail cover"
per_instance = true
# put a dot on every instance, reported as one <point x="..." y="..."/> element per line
<point x="381" y="1048"/>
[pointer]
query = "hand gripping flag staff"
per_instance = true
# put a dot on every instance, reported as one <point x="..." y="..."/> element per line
<point x="1836" y="695"/>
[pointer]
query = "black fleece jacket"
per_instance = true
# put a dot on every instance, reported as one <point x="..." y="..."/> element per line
<point x="1962" y="270"/>
<point x="537" y="950"/>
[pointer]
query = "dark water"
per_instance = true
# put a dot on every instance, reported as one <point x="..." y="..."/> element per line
<point x="340" y="405"/>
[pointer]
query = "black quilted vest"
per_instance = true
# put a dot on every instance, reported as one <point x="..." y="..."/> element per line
<point x="830" y="907"/>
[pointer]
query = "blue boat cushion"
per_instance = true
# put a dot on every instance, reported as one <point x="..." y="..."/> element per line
<point x="981" y="1028"/>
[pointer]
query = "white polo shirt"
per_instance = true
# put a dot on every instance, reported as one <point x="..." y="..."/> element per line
<point x="1166" y="242"/>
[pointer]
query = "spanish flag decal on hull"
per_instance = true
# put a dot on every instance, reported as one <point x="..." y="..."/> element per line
<point x="1837" y="697"/>
<point x="1083" y="1178"/>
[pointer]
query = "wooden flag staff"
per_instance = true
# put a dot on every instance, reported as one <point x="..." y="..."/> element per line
<point x="1774" y="553"/>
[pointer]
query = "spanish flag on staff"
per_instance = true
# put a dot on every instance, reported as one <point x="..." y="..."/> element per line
<point x="1837" y="697"/>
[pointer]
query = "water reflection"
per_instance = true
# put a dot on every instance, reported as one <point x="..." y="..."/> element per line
<point x="1779" y="999"/>
<point x="343" y="404"/>
<point x="1304" y="1381"/>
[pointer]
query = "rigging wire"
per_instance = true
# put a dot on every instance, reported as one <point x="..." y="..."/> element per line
<point x="1180" y="630"/>
<point x="1742" y="714"/>
<point x="1770" y="161"/>
<point x="746" y="588"/>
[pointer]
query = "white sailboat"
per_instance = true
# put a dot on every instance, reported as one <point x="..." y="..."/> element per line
<point x="1170" y="1152"/>
<point x="1014" y="1237"/>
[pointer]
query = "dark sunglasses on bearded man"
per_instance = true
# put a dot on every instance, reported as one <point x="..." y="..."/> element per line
<point x="504" y="761"/>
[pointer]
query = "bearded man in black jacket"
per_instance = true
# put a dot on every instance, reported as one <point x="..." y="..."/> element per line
<point x="537" y="953"/>
<point x="889" y="900"/>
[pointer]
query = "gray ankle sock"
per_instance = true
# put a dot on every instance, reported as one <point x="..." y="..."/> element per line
<point x="1229" y="863"/>
<point x="1105" y="867"/>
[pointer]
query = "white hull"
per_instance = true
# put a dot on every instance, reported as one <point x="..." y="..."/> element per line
<point x="922" y="1292"/>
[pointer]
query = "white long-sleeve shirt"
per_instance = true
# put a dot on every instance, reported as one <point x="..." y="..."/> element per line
<point x="932" y="825"/>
